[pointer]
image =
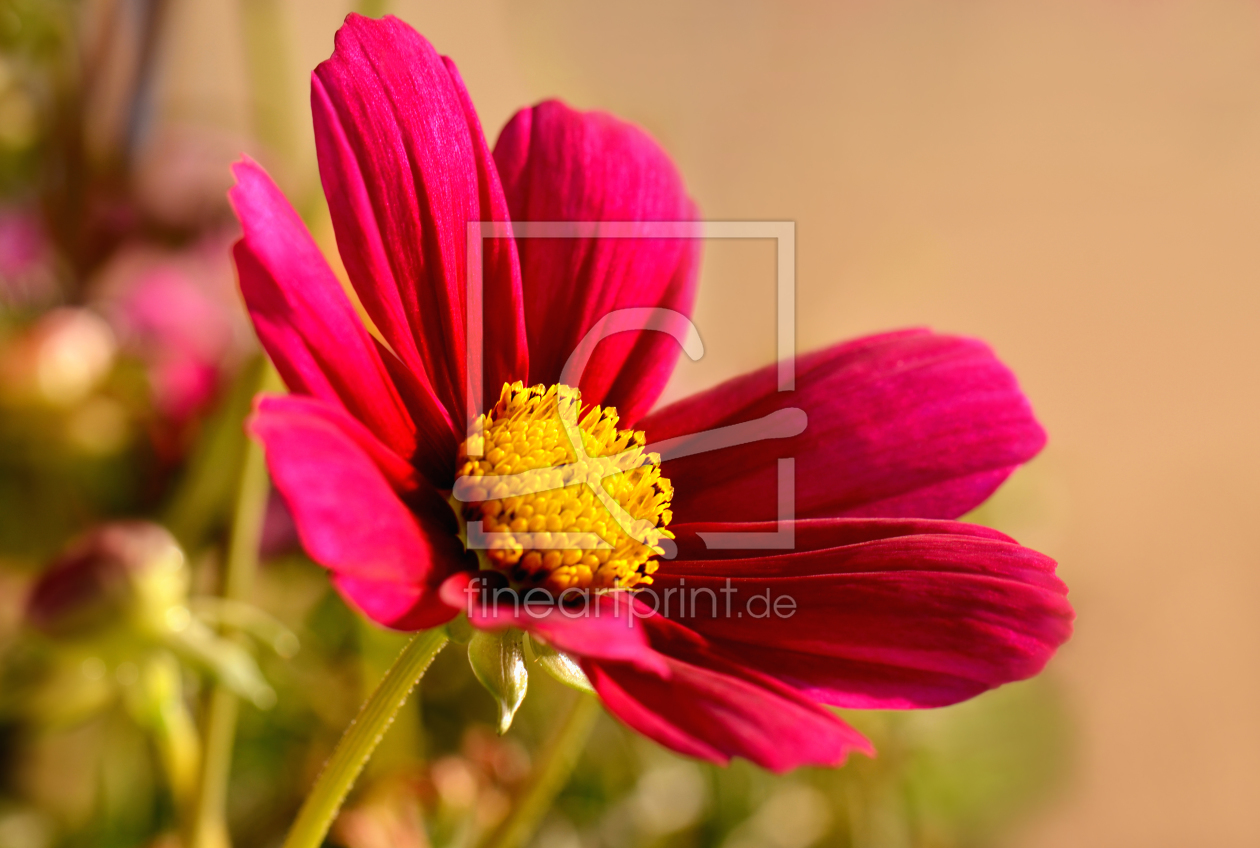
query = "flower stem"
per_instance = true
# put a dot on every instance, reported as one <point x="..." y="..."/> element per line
<point x="208" y="827"/>
<point x="550" y="776"/>
<point x="207" y="822"/>
<point x="361" y="738"/>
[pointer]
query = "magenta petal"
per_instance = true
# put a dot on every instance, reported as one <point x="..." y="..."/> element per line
<point x="558" y="164"/>
<point x="401" y="606"/>
<point x="406" y="168"/>
<point x="602" y="628"/>
<point x="900" y="621"/>
<point x="606" y="636"/>
<point x="812" y="534"/>
<point x="903" y="424"/>
<point x="387" y="556"/>
<point x="304" y="319"/>
<point x="398" y="472"/>
<point x="712" y="708"/>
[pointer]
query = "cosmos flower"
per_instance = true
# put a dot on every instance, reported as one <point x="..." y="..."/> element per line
<point x="893" y="604"/>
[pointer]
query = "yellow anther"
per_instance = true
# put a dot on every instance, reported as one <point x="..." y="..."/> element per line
<point x="562" y="516"/>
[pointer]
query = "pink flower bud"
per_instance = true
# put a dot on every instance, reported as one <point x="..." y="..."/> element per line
<point x="130" y="571"/>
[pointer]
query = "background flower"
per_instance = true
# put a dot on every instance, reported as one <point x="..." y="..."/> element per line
<point x="179" y="313"/>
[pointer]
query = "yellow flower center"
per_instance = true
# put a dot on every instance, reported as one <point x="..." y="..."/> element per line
<point x="553" y="495"/>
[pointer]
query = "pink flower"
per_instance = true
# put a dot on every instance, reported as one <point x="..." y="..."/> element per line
<point x="176" y="312"/>
<point x="897" y="605"/>
<point x="27" y="275"/>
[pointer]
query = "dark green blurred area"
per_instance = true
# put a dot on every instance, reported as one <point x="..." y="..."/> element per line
<point x="112" y="409"/>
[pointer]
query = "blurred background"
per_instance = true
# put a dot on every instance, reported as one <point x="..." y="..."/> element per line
<point x="1076" y="182"/>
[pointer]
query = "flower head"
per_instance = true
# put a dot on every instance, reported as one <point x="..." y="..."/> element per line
<point x="622" y="564"/>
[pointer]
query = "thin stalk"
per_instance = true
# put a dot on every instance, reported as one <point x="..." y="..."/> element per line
<point x="207" y="825"/>
<point x="550" y="776"/>
<point x="205" y="494"/>
<point x="361" y="739"/>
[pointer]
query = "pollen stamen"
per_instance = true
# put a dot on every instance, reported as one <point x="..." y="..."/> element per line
<point x="563" y="518"/>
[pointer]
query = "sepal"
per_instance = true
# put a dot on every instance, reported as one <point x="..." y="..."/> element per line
<point x="558" y="664"/>
<point x="498" y="661"/>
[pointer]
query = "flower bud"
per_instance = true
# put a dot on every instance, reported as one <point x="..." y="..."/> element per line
<point x="130" y="571"/>
<point x="498" y="661"/>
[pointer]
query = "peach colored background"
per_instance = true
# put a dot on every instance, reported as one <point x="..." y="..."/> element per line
<point x="1076" y="182"/>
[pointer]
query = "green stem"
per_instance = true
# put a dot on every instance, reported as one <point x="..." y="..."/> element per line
<point x="207" y="825"/>
<point x="361" y="738"/>
<point x="550" y="776"/>
<point x="209" y="819"/>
